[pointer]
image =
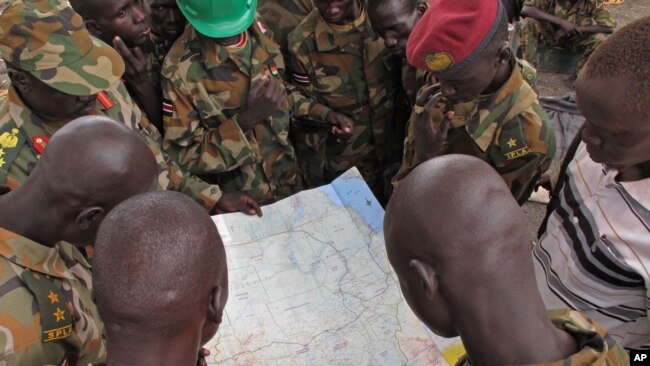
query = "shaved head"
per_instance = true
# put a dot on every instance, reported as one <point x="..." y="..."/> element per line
<point x="159" y="262"/>
<point x="453" y="225"/>
<point x="88" y="167"/>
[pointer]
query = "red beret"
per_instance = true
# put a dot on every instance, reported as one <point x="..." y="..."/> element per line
<point x="452" y="33"/>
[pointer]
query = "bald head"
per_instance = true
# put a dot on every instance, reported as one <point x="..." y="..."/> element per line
<point x="159" y="270"/>
<point x="95" y="159"/>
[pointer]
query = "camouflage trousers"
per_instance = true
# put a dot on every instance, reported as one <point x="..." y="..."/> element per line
<point x="321" y="158"/>
<point x="532" y="32"/>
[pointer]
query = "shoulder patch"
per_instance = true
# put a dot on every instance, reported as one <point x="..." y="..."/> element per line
<point x="167" y="107"/>
<point x="263" y="28"/>
<point x="105" y="100"/>
<point x="512" y="142"/>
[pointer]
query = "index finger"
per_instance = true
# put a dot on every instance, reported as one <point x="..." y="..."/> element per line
<point x="426" y="93"/>
<point x="124" y="51"/>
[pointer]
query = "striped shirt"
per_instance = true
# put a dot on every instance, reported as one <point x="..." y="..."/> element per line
<point x="595" y="253"/>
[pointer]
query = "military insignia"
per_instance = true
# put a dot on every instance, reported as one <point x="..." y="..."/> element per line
<point x="105" y="100"/>
<point x="56" y="322"/>
<point x="274" y="70"/>
<point x="167" y="108"/>
<point x="512" y="142"/>
<point x="301" y="79"/>
<point x="262" y="27"/>
<point x="39" y="143"/>
<point x="9" y="140"/>
<point x="438" y="61"/>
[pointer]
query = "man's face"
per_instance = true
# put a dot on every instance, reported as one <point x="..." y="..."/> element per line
<point x="51" y="103"/>
<point x="612" y="134"/>
<point x="470" y="82"/>
<point x="336" y="11"/>
<point x="394" y="21"/>
<point x="167" y="20"/>
<point x="124" y="18"/>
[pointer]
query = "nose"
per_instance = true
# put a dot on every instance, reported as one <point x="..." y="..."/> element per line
<point x="172" y="17"/>
<point x="390" y="42"/>
<point x="138" y="13"/>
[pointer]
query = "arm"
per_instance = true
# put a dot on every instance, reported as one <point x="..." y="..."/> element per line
<point x="558" y="22"/>
<point x="201" y="145"/>
<point x="591" y="29"/>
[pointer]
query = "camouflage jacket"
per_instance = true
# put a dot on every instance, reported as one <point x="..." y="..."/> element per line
<point x="23" y="135"/>
<point x="350" y="72"/>
<point x="596" y="347"/>
<point x="155" y="51"/>
<point x="582" y="13"/>
<point x="47" y="313"/>
<point x="204" y="89"/>
<point x="508" y="129"/>
<point x="282" y="16"/>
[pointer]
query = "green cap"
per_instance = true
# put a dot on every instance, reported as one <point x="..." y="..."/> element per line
<point x="219" y="18"/>
<point x="49" y="39"/>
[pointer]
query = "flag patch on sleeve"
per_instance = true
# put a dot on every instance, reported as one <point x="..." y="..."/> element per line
<point x="301" y="78"/>
<point x="167" y="108"/>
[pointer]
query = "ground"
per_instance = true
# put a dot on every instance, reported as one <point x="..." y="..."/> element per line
<point x="549" y="85"/>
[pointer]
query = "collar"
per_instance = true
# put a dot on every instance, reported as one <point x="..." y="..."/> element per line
<point x="27" y="253"/>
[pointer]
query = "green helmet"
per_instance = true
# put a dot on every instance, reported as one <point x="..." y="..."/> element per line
<point x="219" y="18"/>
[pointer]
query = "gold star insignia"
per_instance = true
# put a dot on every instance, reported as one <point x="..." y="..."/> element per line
<point x="512" y="142"/>
<point x="59" y="314"/>
<point x="35" y="275"/>
<point x="53" y="297"/>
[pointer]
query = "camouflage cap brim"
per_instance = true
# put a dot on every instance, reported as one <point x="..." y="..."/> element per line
<point x="100" y="68"/>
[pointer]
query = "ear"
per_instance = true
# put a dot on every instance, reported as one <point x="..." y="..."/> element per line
<point x="421" y="7"/>
<point x="426" y="277"/>
<point x="19" y="80"/>
<point x="89" y="216"/>
<point x="217" y="304"/>
<point x="93" y="28"/>
<point x="504" y="55"/>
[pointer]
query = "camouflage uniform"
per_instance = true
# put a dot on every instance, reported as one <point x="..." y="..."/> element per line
<point x="205" y="86"/>
<point x="348" y="71"/>
<point x="47" y="316"/>
<point x="155" y="51"/>
<point x="48" y="39"/>
<point x="508" y="129"/>
<point x="282" y="16"/>
<point x="596" y="347"/>
<point x="582" y="13"/>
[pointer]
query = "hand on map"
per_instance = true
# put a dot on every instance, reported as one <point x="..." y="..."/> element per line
<point x="203" y="352"/>
<point x="430" y="122"/>
<point x="237" y="202"/>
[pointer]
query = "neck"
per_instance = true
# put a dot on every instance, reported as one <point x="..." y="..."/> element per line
<point x="228" y="41"/>
<point x="634" y="173"/>
<point x="162" y="353"/>
<point x="517" y="328"/>
<point x="20" y="215"/>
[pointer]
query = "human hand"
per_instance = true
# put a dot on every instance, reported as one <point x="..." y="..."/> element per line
<point x="135" y="61"/>
<point x="569" y="28"/>
<point x="342" y="126"/>
<point x="266" y="95"/>
<point x="430" y="122"/>
<point x="558" y="35"/>
<point x="203" y="352"/>
<point x="237" y="202"/>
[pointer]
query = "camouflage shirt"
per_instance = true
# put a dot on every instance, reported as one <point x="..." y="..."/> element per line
<point x="507" y="129"/>
<point x="205" y="87"/>
<point x="282" y="16"/>
<point x="596" y="347"/>
<point x="582" y="13"/>
<point x="155" y="50"/>
<point x="47" y="313"/>
<point x="351" y="72"/>
<point x="25" y="135"/>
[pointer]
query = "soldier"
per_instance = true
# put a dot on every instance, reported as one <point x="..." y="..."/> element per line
<point x="576" y="25"/>
<point x="225" y="111"/>
<point x="466" y="270"/>
<point x="481" y="106"/>
<point x="593" y="253"/>
<point x="59" y="72"/>
<point x="347" y="79"/>
<point x="140" y="323"/>
<point x="282" y="16"/>
<point x="48" y="315"/>
<point x="124" y="24"/>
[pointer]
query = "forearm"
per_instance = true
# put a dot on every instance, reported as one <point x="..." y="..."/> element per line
<point x="150" y="102"/>
<point x="592" y="29"/>
<point x="535" y="13"/>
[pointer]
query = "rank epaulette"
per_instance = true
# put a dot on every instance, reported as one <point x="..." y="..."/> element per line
<point x="53" y="304"/>
<point x="11" y="141"/>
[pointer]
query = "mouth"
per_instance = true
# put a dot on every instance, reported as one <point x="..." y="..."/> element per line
<point x="146" y="31"/>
